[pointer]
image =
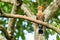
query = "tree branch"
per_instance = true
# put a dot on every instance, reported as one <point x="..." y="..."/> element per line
<point x="5" y="32"/>
<point x="27" y="11"/>
<point x="51" y="9"/>
<point x="23" y="7"/>
<point x="32" y="20"/>
<point x="8" y="1"/>
<point x="11" y="22"/>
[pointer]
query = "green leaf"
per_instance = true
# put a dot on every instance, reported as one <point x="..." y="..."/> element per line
<point x="9" y="6"/>
<point x="57" y="37"/>
<point x="0" y="4"/>
<point x="53" y="32"/>
<point x="46" y="35"/>
<point x="58" y="26"/>
<point x="3" y="4"/>
<point x="22" y="36"/>
<point x="57" y="12"/>
<point x="21" y="12"/>
<point x="29" y="27"/>
<point x="49" y="1"/>
<point x="5" y="9"/>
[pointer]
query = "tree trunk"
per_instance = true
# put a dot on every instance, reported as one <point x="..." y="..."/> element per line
<point x="49" y="11"/>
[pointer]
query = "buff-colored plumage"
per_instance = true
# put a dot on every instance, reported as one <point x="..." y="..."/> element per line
<point x="40" y="14"/>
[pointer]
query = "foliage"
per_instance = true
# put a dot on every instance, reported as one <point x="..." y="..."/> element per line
<point x="22" y="25"/>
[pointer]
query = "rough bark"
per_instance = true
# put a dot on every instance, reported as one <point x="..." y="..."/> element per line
<point x="51" y="9"/>
<point x="8" y="1"/>
<point x="27" y="11"/>
<point x="5" y="32"/>
<point x="11" y="22"/>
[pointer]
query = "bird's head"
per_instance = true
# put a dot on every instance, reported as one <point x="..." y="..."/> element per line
<point x="40" y="8"/>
